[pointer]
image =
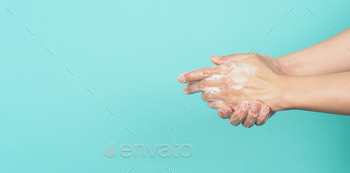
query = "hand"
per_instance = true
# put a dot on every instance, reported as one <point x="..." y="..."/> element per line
<point x="225" y="111"/>
<point x="247" y="112"/>
<point x="231" y="77"/>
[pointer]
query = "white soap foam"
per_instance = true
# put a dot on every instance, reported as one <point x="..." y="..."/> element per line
<point x="239" y="79"/>
<point x="248" y="69"/>
<point x="238" y="76"/>
<point x="214" y="77"/>
<point x="237" y="87"/>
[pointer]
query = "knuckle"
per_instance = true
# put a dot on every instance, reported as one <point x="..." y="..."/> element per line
<point x="215" y="69"/>
<point x="205" y="96"/>
<point x="251" y="112"/>
<point x="230" y="57"/>
<point x="255" y="113"/>
<point x="254" y="54"/>
<point x="233" y="103"/>
<point x="201" y="84"/>
<point x="265" y="110"/>
<point x="205" y="73"/>
<point x="227" y="65"/>
<point x="227" y="82"/>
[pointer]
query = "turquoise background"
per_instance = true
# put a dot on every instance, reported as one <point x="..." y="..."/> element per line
<point x="129" y="53"/>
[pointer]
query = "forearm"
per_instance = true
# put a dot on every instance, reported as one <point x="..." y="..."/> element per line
<point x="328" y="93"/>
<point x="329" y="56"/>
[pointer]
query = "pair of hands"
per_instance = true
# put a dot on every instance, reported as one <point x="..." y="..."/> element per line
<point x="236" y="85"/>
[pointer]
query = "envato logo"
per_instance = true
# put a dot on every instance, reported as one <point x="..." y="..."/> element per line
<point x="126" y="150"/>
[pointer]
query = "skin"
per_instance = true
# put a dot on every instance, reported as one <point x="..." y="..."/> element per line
<point x="328" y="57"/>
<point x="324" y="93"/>
<point x="247" y="112"/>
<point x="261" y="81"/>
<point x="314" y="60"/>
<point x="331" y="90"/>
<point x="237" y="114"/>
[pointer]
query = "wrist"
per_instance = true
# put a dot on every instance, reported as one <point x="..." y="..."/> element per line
<point x="290" y="92"/>
<point x="279" y="65"/>
<point x="284" y="99"/>
<point x="285" y="66"/>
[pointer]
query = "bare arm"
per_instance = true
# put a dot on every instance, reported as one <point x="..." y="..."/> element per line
<point x="328" y="93"/>
<point x="329" y="56"/>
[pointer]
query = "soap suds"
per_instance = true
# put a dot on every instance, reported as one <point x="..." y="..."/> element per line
<point x="237" y="87"/>
<point x="248" y="69"/>
<point x="239" y="79"/>
<point x="214" y="77"/>
<point x="238" y="76"/>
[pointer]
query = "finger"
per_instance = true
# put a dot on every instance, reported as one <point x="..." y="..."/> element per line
<point x="197" y="75"/>
<point x="252" y="114"/>
<point x="263" y="115"/>
<point x="269" y="115"/>
<point x="202" y="86"/>
<point x="240" y="113"/>
<point x="218" y="60"/>
<point x="212" y="97"/>
<point x="216" y="104"/>
<point x="225" y="112"/>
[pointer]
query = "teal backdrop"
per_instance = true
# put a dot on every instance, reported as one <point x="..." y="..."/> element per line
<point x="129" y="55"/>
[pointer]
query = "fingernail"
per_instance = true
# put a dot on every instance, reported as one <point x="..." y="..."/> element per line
<point x="208" y="103"/>
<point x="245" y="106"/>
<point x="215" y="57"/>
<point x="221" y="113"/>
<point x="234" y="122"/>
<point x="226" y="111"/>
<point x="182" y="78"/>
<point x="254" y="106"/>
<point x="248" y="126"/>
<point x="265" y="110"/>
<point x="185" y="90"/>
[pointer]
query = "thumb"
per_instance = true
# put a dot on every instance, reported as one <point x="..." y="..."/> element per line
<point x="218" y="60"/>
